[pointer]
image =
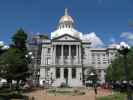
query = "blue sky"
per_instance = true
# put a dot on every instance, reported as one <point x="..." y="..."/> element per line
<point x="108" y="18"/>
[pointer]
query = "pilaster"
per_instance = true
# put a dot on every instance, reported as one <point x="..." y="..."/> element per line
<point x="77" y="54"/>
<point x="80" y="54"/>
<point x="54" y="56"/>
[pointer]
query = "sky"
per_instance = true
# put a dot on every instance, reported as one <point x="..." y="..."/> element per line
<point x="109" y="19"/>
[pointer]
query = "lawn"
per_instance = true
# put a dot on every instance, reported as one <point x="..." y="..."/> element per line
<point x="115" y="96"/>
<point x="65" y="92"/>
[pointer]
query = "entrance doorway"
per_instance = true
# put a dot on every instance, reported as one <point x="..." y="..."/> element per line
<point x="66" y="75"/>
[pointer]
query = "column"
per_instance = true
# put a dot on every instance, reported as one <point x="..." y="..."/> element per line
<point x="52" y="54"/>
<point x="77" y="53"/>
<point x="69" y="76"/>
<point x="62" y="55"/>
<point x="69" y="54"/>
<point x="62" y="73"/>
<point x="77" y="50"/>
<point x="69" y="73"/>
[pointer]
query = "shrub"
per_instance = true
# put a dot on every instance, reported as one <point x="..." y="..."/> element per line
<point x="13" y="95"/>
<point x="63" y="85"/>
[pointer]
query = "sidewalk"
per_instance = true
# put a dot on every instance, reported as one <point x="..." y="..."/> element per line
<point x="90" y="95"/>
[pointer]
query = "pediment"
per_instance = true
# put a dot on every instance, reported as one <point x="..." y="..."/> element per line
<point x="66" y="37"/>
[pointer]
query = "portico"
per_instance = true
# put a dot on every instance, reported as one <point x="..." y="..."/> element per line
<point x="66" y="54"/>
<point x="67" y="63"/>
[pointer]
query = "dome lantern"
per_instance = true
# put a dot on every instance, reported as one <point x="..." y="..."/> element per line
<point x="66" y="21"/>
<point x="66" y="13"/>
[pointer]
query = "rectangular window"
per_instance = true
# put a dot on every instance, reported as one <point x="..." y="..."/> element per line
<point x="99" y="62"/>
<point x="93" y="62"/>
<point x="57" y="72"/>
<point x="48" y="50"/>
<point x="73" y="72"/>
<point x="104" y="62"/>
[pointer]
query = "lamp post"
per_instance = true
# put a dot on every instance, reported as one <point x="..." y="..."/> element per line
<point x="30" y="61"/>
<point x="38" y="75"/>
<point x="123" y="49"/>
<point x="93" y="76"/>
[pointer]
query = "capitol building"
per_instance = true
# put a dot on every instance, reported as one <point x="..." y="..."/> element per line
<point x="68" y="58"/>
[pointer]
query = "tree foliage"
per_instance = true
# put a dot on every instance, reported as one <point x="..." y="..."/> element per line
<point x="115" y="71"/>
<point x="14" y="65"/>
<point x="19" y="40"/>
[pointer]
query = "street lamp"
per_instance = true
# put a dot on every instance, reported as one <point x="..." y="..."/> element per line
<point x="38" y="75"/>
<point x="29" y="58"/>
<point x="123" y="49"/>
<point x="93" y="76"/>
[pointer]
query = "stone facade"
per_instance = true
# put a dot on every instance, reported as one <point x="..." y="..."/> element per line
<point x="68" y="59"/>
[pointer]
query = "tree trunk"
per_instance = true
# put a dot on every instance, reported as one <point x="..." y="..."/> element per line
<point x="17" y="86"/>
<point x="10" y="83"/>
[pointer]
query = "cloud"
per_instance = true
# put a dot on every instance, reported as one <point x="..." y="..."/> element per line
<point x="128" y="36"/>
<point x="1" y="43"/>
<point x="3" y="46"/>
<point x="94" y="39"/>
<point x="112" y="40"/>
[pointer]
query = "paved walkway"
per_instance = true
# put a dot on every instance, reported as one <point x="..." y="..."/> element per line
<point x="42" y="95"/>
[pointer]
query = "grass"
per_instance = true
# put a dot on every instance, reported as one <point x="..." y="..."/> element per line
<point x="115" y="96"/>
<point x="65" y="92"/>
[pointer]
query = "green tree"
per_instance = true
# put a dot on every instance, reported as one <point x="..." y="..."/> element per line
<point x="14" y="63"/>
<point x="13" y="66"/>
<point x="115" y="71"/>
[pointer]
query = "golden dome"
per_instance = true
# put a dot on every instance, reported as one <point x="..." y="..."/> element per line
<point x="66" y="18"/>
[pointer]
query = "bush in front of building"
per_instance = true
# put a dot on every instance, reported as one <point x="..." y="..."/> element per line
<point x="63" y="85"/>
<point x="8" y="96"/>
